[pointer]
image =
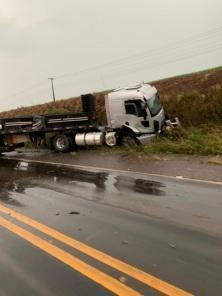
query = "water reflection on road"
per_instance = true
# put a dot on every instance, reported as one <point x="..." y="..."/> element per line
<point x="18" y="176"/>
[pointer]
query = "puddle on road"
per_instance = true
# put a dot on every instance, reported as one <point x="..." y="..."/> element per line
<point x="10" y="183"/>
<point x="139" y="185"/>
<point x="17" y="176"/>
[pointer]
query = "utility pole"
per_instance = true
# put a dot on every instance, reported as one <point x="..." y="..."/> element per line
<point x="53" y="92"/>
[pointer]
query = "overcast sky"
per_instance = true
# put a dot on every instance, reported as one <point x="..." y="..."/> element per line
<point x="92" y="45"/>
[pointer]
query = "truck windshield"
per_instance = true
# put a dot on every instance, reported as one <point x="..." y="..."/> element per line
<point x="154" y="105"/>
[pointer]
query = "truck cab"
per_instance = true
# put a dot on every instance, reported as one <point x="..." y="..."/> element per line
<point x="136" y="108"/>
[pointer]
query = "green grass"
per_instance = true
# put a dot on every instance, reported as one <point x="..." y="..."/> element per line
<point x="204" y="140"/>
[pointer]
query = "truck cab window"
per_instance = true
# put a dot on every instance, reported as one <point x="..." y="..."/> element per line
<point x="131" y="109"/>
<point x="135" y="107"/>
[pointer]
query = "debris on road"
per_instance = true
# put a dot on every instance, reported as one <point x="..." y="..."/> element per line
<point x="123" y="279"/>
<point x="74" y="213"/>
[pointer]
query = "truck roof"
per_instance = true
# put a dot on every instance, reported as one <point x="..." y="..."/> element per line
<point x="139" y="90"/>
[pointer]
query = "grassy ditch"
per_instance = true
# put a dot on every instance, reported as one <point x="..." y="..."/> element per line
<point x="202" y="140"/>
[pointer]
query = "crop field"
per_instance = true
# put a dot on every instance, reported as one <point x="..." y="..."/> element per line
<point x="195" y="98"/>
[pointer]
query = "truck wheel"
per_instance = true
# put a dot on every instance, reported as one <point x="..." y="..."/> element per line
<point x="129" y="142"/>
<point x="61" y="143"/>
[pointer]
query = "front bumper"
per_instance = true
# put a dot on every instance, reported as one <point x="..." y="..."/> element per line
<point x="146" y="139"/>
<point x="168" y="124"/>
<point x="172" y="123"/>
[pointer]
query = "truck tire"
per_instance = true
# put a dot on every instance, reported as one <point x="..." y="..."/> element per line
<point x="127" y="138"/>
<point x="129" y="141"/>
<point x="61" y="143"/>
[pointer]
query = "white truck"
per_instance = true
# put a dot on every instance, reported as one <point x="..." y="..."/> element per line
<point x="133" y="115"/>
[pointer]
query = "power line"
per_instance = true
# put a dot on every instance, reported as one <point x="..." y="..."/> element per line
<point x="174" y="60"/>
<point x="33" y="86"/>
<point x="193" y="38"/>
<point x="190" y="51"/>
<point x="145" y="55"/>
<point x="182" y="55"/>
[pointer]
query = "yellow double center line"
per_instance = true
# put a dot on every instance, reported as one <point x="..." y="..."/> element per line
<point x="94" y="274"/>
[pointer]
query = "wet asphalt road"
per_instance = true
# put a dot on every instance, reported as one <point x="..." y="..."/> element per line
<point x="171" y="229"/>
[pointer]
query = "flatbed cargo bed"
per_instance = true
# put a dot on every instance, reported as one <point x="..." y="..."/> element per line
<point x="45" y="123"/>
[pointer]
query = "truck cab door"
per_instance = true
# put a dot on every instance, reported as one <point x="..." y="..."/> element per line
<point x="137" y="115"/>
